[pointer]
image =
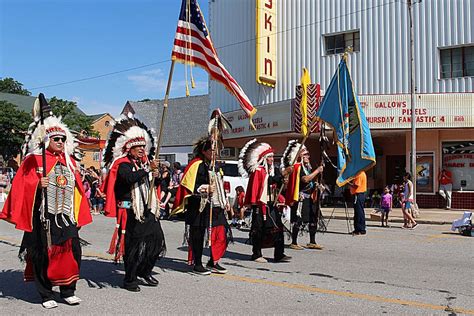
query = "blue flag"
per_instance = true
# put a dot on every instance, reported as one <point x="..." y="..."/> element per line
<point x="341" y="109"/>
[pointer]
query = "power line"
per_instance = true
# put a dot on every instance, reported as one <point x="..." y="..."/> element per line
<point x="220" y="47"/>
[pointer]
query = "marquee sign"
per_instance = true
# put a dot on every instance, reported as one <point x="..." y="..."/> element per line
<point x="432" y="110"/>
<point x="266" y="50"/>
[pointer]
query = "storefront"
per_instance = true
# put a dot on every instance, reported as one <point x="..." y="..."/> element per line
<point x="297" y="34"/>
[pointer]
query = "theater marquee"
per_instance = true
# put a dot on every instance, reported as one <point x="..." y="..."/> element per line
<point x="451" y="110"/>
<point x="266" y="50"/>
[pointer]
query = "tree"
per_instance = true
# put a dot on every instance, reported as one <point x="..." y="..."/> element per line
<point x="13" y="126"/>
<point x="10" y="85"/>
<point x="70" y="116"/>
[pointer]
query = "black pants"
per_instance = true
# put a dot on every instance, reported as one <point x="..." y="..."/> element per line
<point x="359" y="213"/>
<point x="257" y="233"/>
<point x="309" y="215"/>
<point x="142" y="250"/>
<point x="40" y="268"/>
<point x="196" y="240"/>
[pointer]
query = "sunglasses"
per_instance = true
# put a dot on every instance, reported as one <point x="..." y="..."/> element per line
<point x="57" y="139"/>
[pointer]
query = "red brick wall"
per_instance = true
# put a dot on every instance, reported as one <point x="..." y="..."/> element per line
<point x="459" y="200"/>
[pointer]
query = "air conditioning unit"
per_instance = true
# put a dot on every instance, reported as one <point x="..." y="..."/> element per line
<point x="228" y="152"/>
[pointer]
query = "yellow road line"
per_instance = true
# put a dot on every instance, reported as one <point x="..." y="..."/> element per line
<point x="367" y="297"/>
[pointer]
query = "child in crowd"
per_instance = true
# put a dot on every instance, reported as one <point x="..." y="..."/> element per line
<point x="239" y="208"/>
<point x="386" y="206"/>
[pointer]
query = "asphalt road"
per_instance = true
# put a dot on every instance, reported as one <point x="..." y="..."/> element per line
<point x="388" y="271"/>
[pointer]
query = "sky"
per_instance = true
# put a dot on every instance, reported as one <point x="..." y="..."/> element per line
<point x="50" y="42"/>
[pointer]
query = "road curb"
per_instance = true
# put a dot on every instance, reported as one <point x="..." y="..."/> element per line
<point x="397" y="220"/>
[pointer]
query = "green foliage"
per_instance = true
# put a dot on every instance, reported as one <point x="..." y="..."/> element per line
<point x="70" y="116"/>
<point x="13" y="126"/>
<point x="10" y="85"/>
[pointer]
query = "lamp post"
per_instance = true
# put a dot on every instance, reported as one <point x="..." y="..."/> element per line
<point x="411" y="55"/>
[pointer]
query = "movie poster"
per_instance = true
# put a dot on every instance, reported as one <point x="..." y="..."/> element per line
<point x="424" y="173"/>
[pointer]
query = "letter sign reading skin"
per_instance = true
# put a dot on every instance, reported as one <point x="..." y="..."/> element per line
<point x="266" y="52"/>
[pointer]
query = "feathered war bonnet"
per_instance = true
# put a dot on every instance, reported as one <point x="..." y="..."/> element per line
<point x="128" y="132"/>
<point x="218" y="124"/>
<point x="52" y="126"/>
<point x="289" y="155"/>
<point x="253" y="155"/>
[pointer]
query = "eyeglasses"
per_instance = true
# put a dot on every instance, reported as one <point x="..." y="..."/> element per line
<point x="57" y="139"/>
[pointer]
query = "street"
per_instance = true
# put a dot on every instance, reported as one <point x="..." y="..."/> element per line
<point x="390" y="270"/>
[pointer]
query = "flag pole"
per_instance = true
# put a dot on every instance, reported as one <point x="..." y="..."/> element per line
<point x="165" y="109"/>
<point x="411" y="55"/>
<point x="160" y="135"/>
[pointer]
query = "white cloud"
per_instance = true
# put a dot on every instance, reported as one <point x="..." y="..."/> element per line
<point x="96" y="107"/>
<point x="155" y="81"/>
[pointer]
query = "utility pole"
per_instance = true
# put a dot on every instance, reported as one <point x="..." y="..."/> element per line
<point x="411" y="55"/>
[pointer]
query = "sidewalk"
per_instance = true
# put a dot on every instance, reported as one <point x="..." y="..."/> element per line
<point x="427" y="216"/>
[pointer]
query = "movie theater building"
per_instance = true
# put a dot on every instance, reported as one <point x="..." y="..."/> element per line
<point x="266" y="43"/>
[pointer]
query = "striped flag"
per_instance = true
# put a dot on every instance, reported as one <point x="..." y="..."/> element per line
<point x="193" y="45"/>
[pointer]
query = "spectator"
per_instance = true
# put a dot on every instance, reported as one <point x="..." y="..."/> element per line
<point x="87" y="188"/>
<point x="386" y="206"/>
<point x="445" y="186"/>
<point x="177" y="175"/>
<point x="408" y="220"/>
<point x="165" y="191"/>
<point x="239" y="207"/>
<point x="375" y="199"/>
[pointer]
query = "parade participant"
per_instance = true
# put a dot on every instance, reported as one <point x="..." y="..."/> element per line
<point x="195" y="195"/>
<point x="50" y="242"/>
<point x="138" y="236"/>
<point x="358" y="188"/>
<point x="256" y="162"/>
<point x="300" y="193"/>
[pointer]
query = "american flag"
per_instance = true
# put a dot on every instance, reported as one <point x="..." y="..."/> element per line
<point x="193" y="45"/>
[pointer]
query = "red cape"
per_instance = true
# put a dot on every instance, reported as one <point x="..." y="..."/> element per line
<point x="108" y="187"/>
<point x="18" y="208"/>
<point x="255" y="187"/>
<point x="292" y="189"/>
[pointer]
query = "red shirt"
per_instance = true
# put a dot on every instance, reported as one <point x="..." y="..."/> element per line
<point x="445" y="177"/>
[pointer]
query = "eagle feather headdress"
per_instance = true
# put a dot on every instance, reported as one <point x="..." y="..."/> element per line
<point x="289" y="155"/>
<point x="128" y="132"/>
<point x="252" y="155"/>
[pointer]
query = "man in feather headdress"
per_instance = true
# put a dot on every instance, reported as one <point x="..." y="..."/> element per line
<point x="132" y="199"/>
<point x="202" y="197"/>
<point x="50" y="242"/>
<point x="300" y="193"/>
<point x="256" y="162"/>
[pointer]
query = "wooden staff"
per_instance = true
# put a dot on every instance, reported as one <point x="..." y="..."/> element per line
<point x="160" y="135"/>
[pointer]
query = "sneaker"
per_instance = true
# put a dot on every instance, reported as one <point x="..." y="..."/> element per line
<point x="201" y="270"/>
<point x="72" y="300"/>
<point x="216" y="268"/>
<point x="314" y="246"/>
<point x="414" y="226"/>
<point x="261" y="260"/>
<point x="49" y="304"/>
<point x="296" y="247"/>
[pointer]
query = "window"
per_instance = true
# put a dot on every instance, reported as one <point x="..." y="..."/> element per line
<point x="168" y="157"/>
<point x="96" y="156"/>
<point x="337" y="44"/>
<point x="458" y="158"/>
<point x="457" y="62"/>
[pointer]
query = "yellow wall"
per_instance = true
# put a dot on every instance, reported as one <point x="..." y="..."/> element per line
<point x="99" y="126"/>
